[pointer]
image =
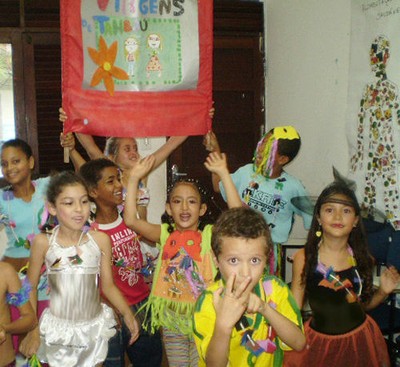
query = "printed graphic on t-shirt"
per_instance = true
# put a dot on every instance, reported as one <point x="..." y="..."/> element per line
<point x="126" y="255"/>
<point x="261" y="200"/>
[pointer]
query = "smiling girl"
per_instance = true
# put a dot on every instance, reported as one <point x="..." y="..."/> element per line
<point x="22" y="208"/>
<point x="22" y="202"/>
<point x="185" y="266"/>
<point x="334" y="271"/>
<point x="75" y="329"/>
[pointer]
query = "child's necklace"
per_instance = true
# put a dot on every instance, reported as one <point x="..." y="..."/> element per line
<point x="74" y="259"/>
<point x="77" y="244"/>
<point x="7" y="220"/>
<point x="332" y="279"/>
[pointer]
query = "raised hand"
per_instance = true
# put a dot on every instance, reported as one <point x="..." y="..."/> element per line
<point x="389" y="280"/>
<point x="67" y="141"/>
<point x="62" y="116"/>
<point x="217" y="163"/>
<point x="230" y="303"/>
<point x="211" y="112"/>
<point x="142" y="168"/>
<point x="210" y="142"/>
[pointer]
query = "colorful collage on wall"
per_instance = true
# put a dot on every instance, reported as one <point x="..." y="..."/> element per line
<point x="373" y="107"/>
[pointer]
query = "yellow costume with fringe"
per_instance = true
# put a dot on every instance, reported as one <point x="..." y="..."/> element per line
<point x="184" y="269"/>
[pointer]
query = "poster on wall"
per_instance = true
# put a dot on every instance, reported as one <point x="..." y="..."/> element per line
<point x="137" y="67"/>
<point x="373" y="107"/>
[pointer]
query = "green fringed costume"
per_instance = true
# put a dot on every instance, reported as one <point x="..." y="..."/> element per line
<point x="184" y="269"/>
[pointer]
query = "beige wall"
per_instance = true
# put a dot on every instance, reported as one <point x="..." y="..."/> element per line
<point x="307" y="70"/>
<point x="157" y="180"/>
<point x="307" y="67"/>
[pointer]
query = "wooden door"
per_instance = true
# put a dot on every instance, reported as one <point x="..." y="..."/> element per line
<point x="238" y="93"/>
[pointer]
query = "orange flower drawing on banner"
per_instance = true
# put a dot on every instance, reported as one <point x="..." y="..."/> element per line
<point x="105" y="58"/>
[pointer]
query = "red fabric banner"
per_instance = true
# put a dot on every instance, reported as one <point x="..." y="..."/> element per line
<point x="121" y="77"/>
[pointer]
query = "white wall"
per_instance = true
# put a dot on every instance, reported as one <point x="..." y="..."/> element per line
<point x="307" y="50"/>
<point x="307" y="54"/>
<point x="157" y="180"/>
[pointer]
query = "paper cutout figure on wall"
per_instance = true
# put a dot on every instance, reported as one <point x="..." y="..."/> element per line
<point x="376" y="153"/>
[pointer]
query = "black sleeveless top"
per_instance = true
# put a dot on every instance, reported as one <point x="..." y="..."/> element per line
<point x="331" y="312"/>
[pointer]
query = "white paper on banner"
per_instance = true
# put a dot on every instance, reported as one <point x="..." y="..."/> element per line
<point x="161" y="43"/>
<point x="373" y="107"/>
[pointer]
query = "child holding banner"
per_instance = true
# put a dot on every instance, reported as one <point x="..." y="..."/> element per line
<point x="123" y="152"/>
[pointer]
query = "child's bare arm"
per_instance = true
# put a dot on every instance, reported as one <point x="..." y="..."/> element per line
<point x="86" y="141"/>
<point x="165" y="150"/>
<point x="109" y="288"/>
<point x="290" y="333"/>
<point x="297" y="286"/>
<point x="3" y="335"/>
<point x="30" y="344"/>
<point x="27" y="320"/>
<point x="217" y="164"/>
<point x="90" y="146"/>
<point x="68" y="141"/>
<point x="150" y="231"/>
<point x="211" y="144"/>
<point x="389" y="281"/>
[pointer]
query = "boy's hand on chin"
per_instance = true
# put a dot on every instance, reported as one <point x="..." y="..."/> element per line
<point x="230" y="303"/>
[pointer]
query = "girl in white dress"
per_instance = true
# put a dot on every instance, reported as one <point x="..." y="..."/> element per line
<point x="75" y="329"/>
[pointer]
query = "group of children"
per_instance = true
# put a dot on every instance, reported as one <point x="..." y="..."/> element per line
<point x="215" y="299"/>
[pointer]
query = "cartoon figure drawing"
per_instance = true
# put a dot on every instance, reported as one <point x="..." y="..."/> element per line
<point x="154" y="64"/>
<point x="131" y="54"/>
<point x="377" y="118"/>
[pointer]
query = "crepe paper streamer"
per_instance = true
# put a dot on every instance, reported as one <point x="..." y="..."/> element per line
<point x="33" y="362"/>
<point x="22" y="296"/>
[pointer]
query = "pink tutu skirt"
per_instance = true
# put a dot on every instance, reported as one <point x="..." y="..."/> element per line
<point x="361" y="347"/>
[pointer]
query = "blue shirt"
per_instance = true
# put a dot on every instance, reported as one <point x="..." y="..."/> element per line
<point x="272" y="198"/>
<point x="22" y="219"/>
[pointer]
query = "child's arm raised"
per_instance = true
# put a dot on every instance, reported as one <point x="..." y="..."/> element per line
<point x="27" y="320"/>
<point x="30" y="344"/>
<point x="211" y="144"/>
<point x="389" y="281"/>
<point x="150" y="231"/>
<point x="86" y="141"/>
<point x="68" y="141"/>
<point x="171" y="144"/>
<point x="162" y="153"/>
<point x="94" y="151"/>
<point x="109" y="288"/>
<point x="216" y="163"/>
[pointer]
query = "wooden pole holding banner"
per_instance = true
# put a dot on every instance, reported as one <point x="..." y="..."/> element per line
<point x="66" y="155"/>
